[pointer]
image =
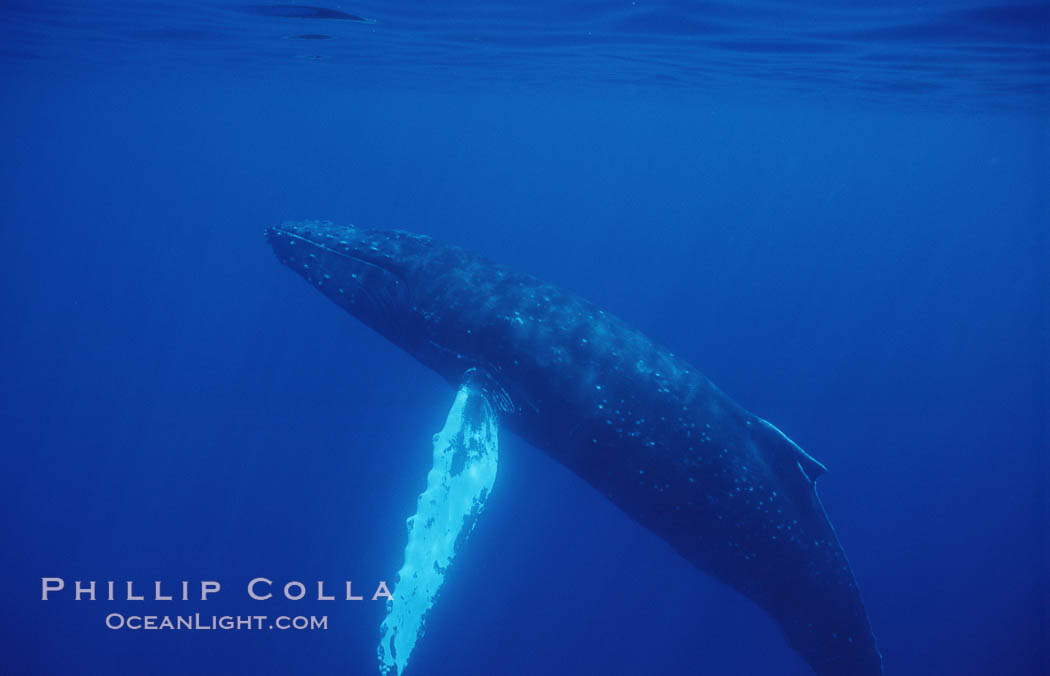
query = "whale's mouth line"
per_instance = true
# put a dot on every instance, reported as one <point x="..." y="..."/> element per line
<point x="336" y="252"/>
<point x="379" y="299"/>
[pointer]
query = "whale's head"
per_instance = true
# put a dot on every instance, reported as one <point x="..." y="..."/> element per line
<point x="372" y="274"/>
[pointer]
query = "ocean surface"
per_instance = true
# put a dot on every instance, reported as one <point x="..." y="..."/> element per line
<point x="838" y="213"/>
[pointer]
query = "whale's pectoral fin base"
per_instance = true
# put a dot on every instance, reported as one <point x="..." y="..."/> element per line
<point x="466" y="452"/>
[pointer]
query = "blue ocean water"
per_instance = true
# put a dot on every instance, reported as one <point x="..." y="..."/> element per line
<point x="839" y="214"/>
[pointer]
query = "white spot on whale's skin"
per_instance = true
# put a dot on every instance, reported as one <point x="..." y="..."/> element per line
<point x="466" y="453"/>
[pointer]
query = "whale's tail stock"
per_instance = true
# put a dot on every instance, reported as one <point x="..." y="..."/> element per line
<point x="810" y="589"/>
<point x="822" y="614"/>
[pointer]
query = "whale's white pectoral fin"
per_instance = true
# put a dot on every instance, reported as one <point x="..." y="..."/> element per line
<point x="466" y="451"/>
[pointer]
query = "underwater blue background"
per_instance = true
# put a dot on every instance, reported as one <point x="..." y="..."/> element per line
<point x="839" y="215"/>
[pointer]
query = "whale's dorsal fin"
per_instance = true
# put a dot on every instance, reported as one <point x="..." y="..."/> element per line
<point x="811" y="467"/>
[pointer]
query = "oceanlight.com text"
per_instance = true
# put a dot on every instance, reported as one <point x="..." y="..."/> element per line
<point x="199" y="622"/>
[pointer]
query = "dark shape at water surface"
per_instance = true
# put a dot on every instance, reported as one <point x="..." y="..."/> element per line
<point x="314" y="36"/>
<point x="301" y="12"/>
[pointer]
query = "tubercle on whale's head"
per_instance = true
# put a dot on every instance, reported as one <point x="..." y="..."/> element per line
<point x="372" y="274"/>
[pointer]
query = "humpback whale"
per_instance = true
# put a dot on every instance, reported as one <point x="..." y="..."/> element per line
<point x="726" y="489"/>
